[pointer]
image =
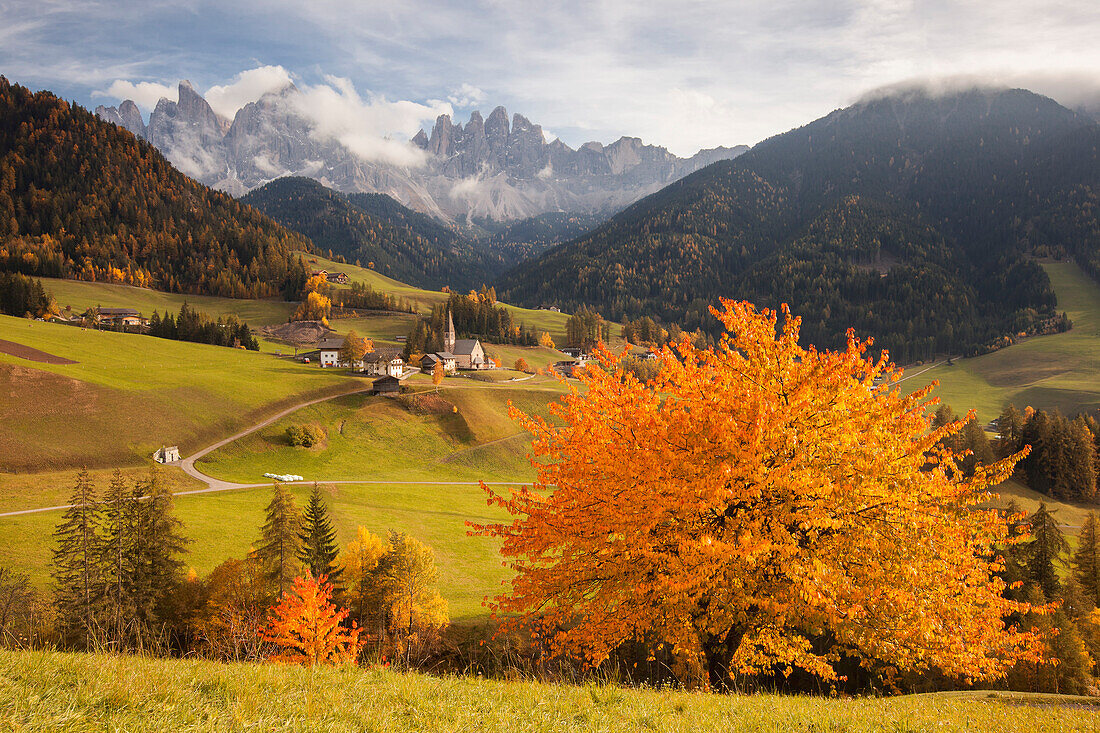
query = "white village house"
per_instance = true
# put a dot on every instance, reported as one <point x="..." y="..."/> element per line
<point x="328" y="352"/>
<point x="167" y="454"/>
<point x="386" y="363"/>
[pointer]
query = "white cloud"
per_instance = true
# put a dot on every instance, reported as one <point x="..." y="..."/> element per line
<point x="373" y="128"/>
<point x="145" y="93"/>
<point x="247" y="87"/>
<point x="467" y="96"/>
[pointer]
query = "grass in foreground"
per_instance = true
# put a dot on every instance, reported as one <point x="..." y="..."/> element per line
<point x="1058" y="371"/>
<point x="51" y="691"/>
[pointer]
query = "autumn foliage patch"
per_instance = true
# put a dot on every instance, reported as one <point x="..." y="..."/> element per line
<point x="759" y="507"/>
<point x="307" y="628"/>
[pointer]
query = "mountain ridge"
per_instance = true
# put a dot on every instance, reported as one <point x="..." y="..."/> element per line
<point x="489" y="168"/>
<point x="968" y="168"/>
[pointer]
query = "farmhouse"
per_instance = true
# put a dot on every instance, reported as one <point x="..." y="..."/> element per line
<point x="427" y="364"/>
<point x="339" y="277"/>
<point x="169" y="454"/>
<point x="382" y="362"/>
<point x="386" y="386"/>
<point x="328" y="352"/>
<point x="120" y="317"/>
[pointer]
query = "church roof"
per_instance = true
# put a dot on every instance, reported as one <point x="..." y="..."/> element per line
<point x="465" y="347"/>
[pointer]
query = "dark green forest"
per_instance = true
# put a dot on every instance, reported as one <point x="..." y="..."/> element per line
<point x="375" y="231"/>
<point x="913" y="219"/>
<point x="83" y="198"/>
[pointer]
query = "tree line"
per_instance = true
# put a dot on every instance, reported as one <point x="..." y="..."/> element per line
<point x="1063" y="460"/>
<point x="194" y="325"/>
<point x="119" y="581"/>
<point x="21" y="295"/>
<point x="475" y="315"/>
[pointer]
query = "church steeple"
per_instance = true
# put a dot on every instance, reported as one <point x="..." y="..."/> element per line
<point x="449" y="338"/>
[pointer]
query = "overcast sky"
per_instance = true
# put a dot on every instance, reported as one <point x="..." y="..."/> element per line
<point x="685" y="74"/>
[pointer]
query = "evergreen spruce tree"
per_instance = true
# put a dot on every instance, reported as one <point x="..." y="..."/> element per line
<point x="1082" y="475"/>
<point x="154" y="566"/>
<point x="1010" y="426"/>
<point x="1016" y="575"/>
<point x="116" y="549"/>
<point x="1071" y="673"/>
<point x="976" y="441"/>
<point x="1037" y="465"/>
<point x="77" y="571"/>
<point x="1045" y="551"/>
<point x="279" y="544"/>
<point x="1086" y="560"/>
<point x="319" y="550"/>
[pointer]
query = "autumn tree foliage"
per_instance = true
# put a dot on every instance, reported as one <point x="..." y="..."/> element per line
<point x="306" y="626"/>
<point x="355" y="347"/>
<point x="758" y="507"/>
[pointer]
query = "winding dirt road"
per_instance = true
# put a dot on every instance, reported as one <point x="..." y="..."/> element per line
<point x="214" y="485"/>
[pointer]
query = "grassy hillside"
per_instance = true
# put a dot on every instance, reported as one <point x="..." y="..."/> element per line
<point x="379" y="438"/>
<point x="81" y="295"/>
<point x="1058" y="371"/>
<point x="51" y="691"/>
<point x="129" y="394"/>
<point x="370" y="439"/>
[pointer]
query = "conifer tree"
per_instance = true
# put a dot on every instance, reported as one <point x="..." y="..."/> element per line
<point x="76" y="565"/>
<point x="318" y="550"/>
<point x="974" y="439"/>
<point x="1010" y="426"/>
<point x="1086" y="560"/>
<point x="116" y="552"/>
<point x="1070" y="674"/>
<point x="1045" y="551"/>
<point x="279" y="544"/>
<point x="155" y="565"/>
<point x="1015" y="573"/>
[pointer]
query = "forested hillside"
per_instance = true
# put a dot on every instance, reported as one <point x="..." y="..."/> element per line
<point x="531" y="237"/>
<point x="367" y="228"/>
<point x="910" y="217"/>
<point x="83" y="198"/>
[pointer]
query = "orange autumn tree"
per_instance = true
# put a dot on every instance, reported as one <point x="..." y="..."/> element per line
<point x="749" y="500"/>
<point x="306" y="626"/>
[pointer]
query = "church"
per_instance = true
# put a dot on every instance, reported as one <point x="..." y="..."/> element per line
<point x="467" y="353"/>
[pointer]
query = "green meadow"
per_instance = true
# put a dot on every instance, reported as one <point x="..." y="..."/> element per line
<point x="86" y="693"/>
<point x="464" y="434"/>
<point x="536" y="320"/>
<point x="1058" y="371"/>
<point x="129" y="394"/>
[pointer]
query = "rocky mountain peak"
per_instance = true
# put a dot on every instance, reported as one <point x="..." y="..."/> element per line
<point x="507" y="169"/>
